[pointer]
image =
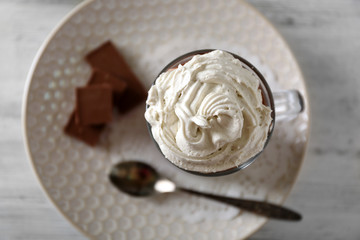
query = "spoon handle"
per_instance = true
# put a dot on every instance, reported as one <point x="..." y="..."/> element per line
<point x="261" y="208"/>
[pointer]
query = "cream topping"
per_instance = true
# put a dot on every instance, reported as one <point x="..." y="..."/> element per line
<point x="207" y="115"/>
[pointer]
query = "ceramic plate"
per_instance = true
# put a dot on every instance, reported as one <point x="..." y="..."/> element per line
<point x="151" y="33"/>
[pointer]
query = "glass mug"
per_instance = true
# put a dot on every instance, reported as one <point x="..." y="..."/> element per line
<point x="283" y="104"/>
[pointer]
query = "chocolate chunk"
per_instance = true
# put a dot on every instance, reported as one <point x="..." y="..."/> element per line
<point x="100" y="77"/>
<point x="108" y="59"/>
<point x="88" y="134"/>
<point x="94" y="104"/>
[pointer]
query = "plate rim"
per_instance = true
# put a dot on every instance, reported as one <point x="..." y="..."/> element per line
<point x="28" y="81"/>
<point x="50" y="37"/>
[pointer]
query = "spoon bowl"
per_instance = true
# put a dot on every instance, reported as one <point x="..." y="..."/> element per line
<point x="134" y="178"/>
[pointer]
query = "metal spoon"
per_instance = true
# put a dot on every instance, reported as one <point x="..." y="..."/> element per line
<point x="139" y="179"/>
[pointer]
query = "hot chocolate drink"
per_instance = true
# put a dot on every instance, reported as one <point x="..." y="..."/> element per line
<point x="209" y="114"/>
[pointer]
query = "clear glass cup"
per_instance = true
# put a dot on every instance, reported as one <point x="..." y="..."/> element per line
<point x="284" y="104"/>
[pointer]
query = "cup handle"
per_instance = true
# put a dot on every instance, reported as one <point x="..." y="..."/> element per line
<point x="288" y="104"/>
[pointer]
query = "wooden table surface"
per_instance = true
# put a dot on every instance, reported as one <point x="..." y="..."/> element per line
<point x="325" y="38"/>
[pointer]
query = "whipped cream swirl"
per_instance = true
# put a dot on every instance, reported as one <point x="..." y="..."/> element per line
<point x="207" y="115"/>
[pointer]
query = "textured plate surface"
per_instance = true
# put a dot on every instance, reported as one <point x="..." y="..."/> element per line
<point x="151" y="33"/>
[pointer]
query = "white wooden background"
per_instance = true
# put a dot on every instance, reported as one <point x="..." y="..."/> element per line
<point x="325" y="37"/>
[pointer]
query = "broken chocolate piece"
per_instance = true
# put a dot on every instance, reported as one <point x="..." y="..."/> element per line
<point x="88" y="134"/>
<point x="108" y="59"/>
<point x="94" y="104"/>
<point x="100" y="77"/>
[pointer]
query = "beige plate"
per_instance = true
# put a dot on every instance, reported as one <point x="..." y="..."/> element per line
<point x="151" y="33"/>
